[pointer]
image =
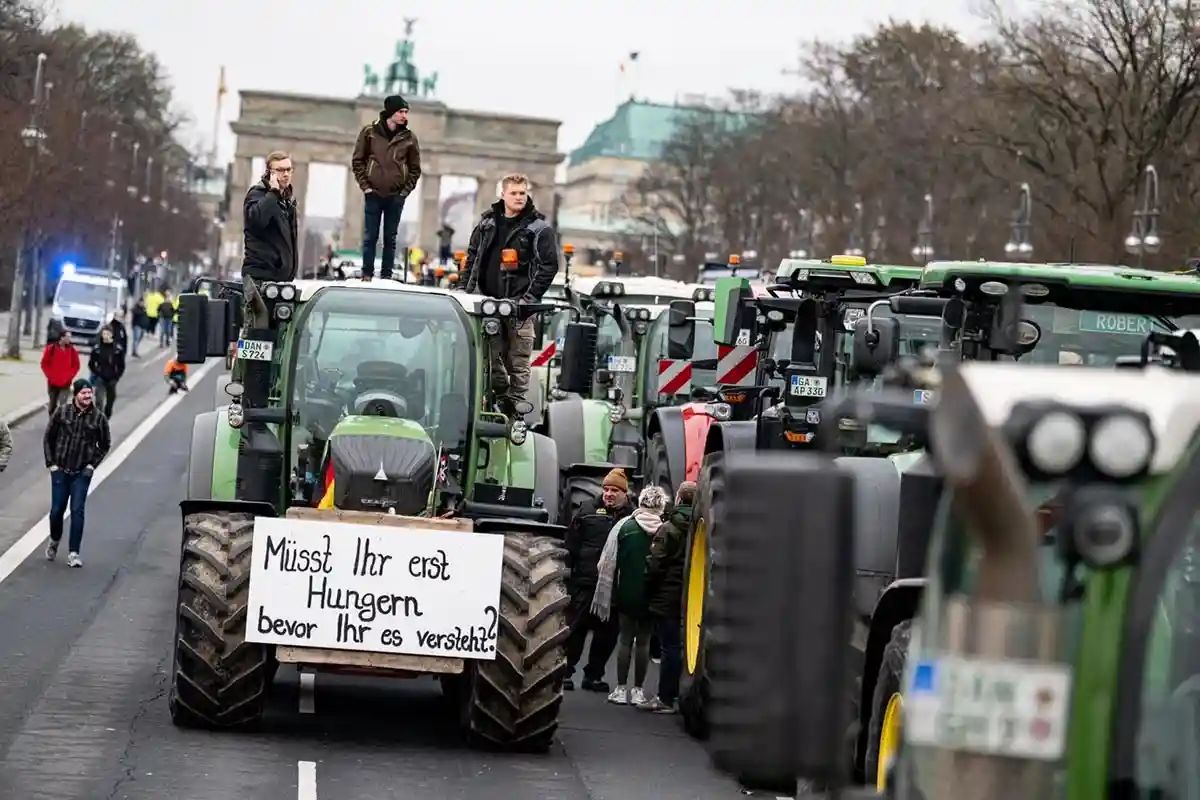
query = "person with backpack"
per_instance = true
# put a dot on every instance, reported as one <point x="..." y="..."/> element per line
<point x="60" y="365"/>
<point x="107" y="364"/>
<point x="386" y="164"/>
<point x="622" y="587"/>
<point x="166" y="317"/>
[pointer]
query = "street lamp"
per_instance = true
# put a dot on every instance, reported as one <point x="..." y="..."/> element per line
<point x="33" y="136"/>
<point x="1143" y="238"/>
<point x="132" y="187"/>
<point x="1020" y="244"/>
<point x="149" y="174"/>
<point x="807" y="234"/>
<point x="923" y="250"/>
<point x="166" y="177"/>
<point x="108" y="164"/>
<point x="855" y="247"/>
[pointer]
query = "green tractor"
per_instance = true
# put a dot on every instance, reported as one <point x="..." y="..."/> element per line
<point x="360" y="506"/>
<point x="612" y="350"/>
<point x="1033" y="314"/>
<point x="806" y="337"/>
<point x="1057" y="646"/>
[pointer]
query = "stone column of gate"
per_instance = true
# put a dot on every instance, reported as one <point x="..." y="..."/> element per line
<point x="352" y="216"/>
<point x="429" y="190"/>
<point x="485" y="194"/>
<point x="300" y="194"/>
<point x="231" y="235"/>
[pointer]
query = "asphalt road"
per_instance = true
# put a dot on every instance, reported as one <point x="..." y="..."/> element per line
<point x="83" y="713"/>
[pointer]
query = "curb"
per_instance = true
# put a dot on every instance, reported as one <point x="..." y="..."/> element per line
<point x="24" y="413"/>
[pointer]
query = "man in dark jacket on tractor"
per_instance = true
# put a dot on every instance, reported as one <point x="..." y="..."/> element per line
<point x="386" y="165"/>
<point x="271" y="225"/>
<point x="585" y="540"/>
<point x="664" y="588"/>
<point x="512" y="254"/>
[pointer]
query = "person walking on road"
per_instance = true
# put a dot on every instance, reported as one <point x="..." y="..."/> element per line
<point x="60" y="365"/>
<point x="512" y="223"/>
<point x="120" y="334"/>
<point x="270" y="224"/>
<point x="6" y="445"/>
<point x="621" y="586"/>
<point x="166" y="314"/>
<point x="141" y="322"/>
<point x="664" y="591"/>
<point x="386" y="164"/>
<point x="107" y="364"/>
<point x="76" y="441"/>
<point x="585" y="541"/>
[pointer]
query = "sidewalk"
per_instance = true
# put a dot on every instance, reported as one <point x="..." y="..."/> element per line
<point x="22" y="386"/>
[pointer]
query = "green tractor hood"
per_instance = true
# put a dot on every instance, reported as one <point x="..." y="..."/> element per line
<point x="382" y="464"/>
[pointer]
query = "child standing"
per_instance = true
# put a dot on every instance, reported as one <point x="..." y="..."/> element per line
<point x="176" y="375"/>
<point x="622" y="585"/>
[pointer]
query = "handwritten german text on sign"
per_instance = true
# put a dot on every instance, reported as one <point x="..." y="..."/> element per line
<point x="418" y="591"/>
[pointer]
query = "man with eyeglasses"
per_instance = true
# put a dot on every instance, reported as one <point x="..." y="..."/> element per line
<point x="270" y="224"/>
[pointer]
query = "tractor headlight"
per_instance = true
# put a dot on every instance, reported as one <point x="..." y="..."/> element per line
<point x="644" y="314"/>
<point x="1104" y="533"/>
<point x="491" y="326"/>
<point x="504" y="309"/>
<point x="616" y="414"/>
<point x="1121" y="446"/>
<point x="640" y="328"/>
<point x="775" y="315"/>
<point x="517" y="432"/>
<point x="488" y="307"/>
<point x="236" y="415"/>
<point x="283" y="313"/>
<point x="1057" y="442"/>
<point x="287" y="293"/>
<point x="718" y="411"/>
<point x="272" y="291"/>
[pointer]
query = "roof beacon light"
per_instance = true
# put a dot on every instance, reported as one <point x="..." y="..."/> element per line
<point x="569" y="249"/>
<point x="734" y="259"/>
<point x="848" y="261"/>
<point x="508" y="259"/>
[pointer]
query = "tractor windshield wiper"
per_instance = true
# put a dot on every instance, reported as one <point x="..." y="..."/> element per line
<point x="1167" y="323"/>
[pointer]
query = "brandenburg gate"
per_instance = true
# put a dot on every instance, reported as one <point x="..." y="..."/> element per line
<point x="474" y="144"/>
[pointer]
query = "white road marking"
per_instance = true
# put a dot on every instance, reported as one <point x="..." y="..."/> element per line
<point x="36" y="536"/>
<point x="306" y="786"/>
<point x="308" y="693"/>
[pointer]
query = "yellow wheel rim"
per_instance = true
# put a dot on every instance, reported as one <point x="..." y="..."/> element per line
<point x="889" y="739"/>
<point x="697" y="586"/>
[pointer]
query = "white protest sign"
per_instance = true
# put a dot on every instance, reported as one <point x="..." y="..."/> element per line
<point x="374" y="588"/>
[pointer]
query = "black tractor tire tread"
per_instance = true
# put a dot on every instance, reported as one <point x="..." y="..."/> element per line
<point x="658" y="469"/>
<point x="891" y="672"/>
<point x="219" y="680"/>
<point x="514" y="701"/>
<point x="577" y="490"/>
<point x="694" y="689"/>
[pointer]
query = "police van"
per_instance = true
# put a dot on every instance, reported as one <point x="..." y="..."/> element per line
<point x="84" y="300"/>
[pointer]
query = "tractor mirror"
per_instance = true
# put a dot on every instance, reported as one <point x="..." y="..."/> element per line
<point x="955" y="313"/>
<point x="876" y="344"/>
<point x="681" y="330"/>
<point x="192" y="336"/>
<point x="779" y="709"/>
<point x="1008" y="332"/>
<point x="578" y="358"/>
<point x="917" y="306"/>
<point x="219" y="333"/>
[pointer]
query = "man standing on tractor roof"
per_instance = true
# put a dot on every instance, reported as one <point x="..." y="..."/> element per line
<point x="585" y="541"/>
<point x="270" y="224"/>
<point x="386" y="164"/>
<point x="514" y="226"/>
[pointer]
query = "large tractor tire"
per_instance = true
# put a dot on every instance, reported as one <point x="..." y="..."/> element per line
<point x="657" y="469"/>
<point x="577" y="490"/>
<point x="702" y="587"/>
<point x="887" y="706"/>
<point x="513" y="701"/>
<point x="219" y="680"/>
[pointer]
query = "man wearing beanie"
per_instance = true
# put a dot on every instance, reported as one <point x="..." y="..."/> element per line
<point x="386" y="164"/>
<point x="586" y="537"/>
<point x="76" y="441"/>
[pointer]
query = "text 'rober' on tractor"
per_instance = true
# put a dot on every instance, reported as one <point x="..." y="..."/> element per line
<point x="370" y="401"/>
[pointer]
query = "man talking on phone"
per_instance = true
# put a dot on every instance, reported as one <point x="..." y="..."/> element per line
<point x="386" y="164"/>
<point x="270" y="224"/>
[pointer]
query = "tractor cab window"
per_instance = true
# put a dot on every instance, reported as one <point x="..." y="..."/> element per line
<point x="704" y="354"/>
<point x="383" y="353"/>
<point x="608" y="339"/>
<point x="1087" y="338"/>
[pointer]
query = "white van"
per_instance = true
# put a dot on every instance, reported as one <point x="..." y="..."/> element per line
<point x="85" y="300"/>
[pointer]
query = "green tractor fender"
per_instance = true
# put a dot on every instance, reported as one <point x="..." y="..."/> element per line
<point x="212" y="458"/>
<point x="533" y="465"/>
<point x="580" y="429"/>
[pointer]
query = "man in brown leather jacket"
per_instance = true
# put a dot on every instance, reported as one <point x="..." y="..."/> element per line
<point x="386" y="164"/>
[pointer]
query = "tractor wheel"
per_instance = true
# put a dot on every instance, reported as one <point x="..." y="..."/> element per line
<point x="657" y="470"/>
<point x="219" y="680"/>
<point x="883" y="738"/>
<point x="577" y="490"/>
<point x="703" y="583"/>
<point x="513" y="701"/>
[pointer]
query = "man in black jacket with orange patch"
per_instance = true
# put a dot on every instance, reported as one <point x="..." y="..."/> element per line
<point x="512" y="223"/>
<point x="270" y="224"/>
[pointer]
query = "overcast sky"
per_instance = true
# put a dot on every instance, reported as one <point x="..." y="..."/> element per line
<point x="549" y="58"/>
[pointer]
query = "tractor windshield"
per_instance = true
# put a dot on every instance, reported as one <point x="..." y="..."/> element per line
<point x="412" y="349"/>
<point x="1087" y="338"/>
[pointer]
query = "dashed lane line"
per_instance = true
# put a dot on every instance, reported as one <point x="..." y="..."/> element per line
<point x="306" y="784"/>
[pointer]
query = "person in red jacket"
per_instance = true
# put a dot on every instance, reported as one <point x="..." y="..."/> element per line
<point x="60" y="365"/>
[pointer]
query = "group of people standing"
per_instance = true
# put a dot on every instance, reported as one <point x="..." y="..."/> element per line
<point x="626" y="587"/>
<point x="106" y="363"/>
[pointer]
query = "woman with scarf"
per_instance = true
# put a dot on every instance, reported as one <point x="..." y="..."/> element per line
<point x="622" y="585"/>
